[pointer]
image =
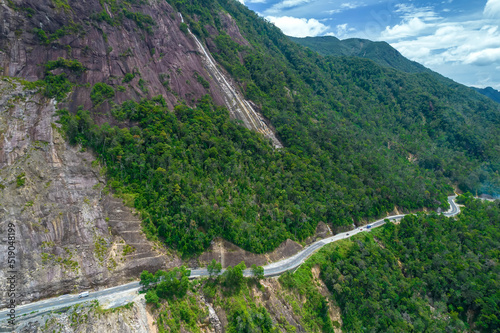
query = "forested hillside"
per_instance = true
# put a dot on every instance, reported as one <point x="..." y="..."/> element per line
<point x="359" y="139"/>
<point x="427" y="274"/>
<point x="115" y="98"/>
<point x="490" y="93"/>
<point x="380" y="52"/>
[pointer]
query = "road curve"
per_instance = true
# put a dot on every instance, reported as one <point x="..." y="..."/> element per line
<point x="273" y="269"/>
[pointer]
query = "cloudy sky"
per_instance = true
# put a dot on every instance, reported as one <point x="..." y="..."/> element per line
<point x="457" y="38"/>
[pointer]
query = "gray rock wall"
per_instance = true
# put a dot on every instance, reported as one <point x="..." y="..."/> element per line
<point x="70" y="236"/>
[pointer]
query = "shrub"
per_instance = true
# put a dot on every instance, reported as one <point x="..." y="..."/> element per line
<point x="128" y="77"/>
<point x="20" y="179"/>
<point x="73" y="65"/>
<point x="57" y="86"/>
<point x="101" y="92"/>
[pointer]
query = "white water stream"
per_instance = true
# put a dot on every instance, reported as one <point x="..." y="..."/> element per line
<point x="239" y="108"/>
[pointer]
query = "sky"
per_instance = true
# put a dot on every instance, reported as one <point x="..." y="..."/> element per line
<point x="459" y="39"/>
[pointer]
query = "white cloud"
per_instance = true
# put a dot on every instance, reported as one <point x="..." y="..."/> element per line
<point x="492" y="9"/>
<point x="413" y="27"/>
<point x="350" y="5"/>
<point x="410" y="11"/>
<point x="252" y="1"/>
<point x="298" y="27"/>
<point x="285" y="4"/>
<point x="484" y="57"/>
<point x="343" y="31"/>
<point x="452" y="39"/>
<point x="469" y="43"/>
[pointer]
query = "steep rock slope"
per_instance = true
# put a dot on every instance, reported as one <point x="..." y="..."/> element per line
<point x="71" y="236"/>
<point x="136" y="38"/>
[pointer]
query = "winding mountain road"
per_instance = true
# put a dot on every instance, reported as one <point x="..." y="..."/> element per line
<point x="273" y="269"/>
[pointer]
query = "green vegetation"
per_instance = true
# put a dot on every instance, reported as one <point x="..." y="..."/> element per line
<point x="214" y="268"/>
<point x="165" y="285"/>
<point x="72" y="65"/>
<point x="61" y="4"/>
<point x="196" y="175"/>
<point x="143" y="21"/>
<point x="47" y="38"/>
<point x="56" y="86"/>
<point x="164" y="79"/>
<point x="360" y="140"/>
<point x="257" y="272"/>
<point x="174" y="298"/>
<point x="128" y="77"/>
<point x="21" y="179"/>
<point x="66" y="264"/>
<point x="455" y="261"/>
<point x="329" y="105"/>
<point x="380" y="52"/>
<point x="127" y="249"/>
<point x="429" y="273"/>
<point x="120" y="11"/>
<point x="101" y="92"/>
<point x="100" y="249"/>
<point x="28" y="10"/>
<point x="201" y="80"/>
<point x="184" y="28"/>
<point x="143" y="86"/>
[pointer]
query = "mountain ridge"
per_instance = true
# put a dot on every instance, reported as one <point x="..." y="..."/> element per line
<point x="380" y="52"/>
<point x="490" y="93"/>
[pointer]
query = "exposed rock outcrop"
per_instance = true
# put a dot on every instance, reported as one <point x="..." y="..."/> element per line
<point x="164" y="60"/>
<point x="70" y="235"/>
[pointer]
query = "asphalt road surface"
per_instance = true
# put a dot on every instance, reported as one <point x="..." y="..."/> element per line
<point x="273" y="269"/>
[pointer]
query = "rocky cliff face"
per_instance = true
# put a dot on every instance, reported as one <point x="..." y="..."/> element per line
<point x="148" y="45"/>
<point x="70" y="235"/>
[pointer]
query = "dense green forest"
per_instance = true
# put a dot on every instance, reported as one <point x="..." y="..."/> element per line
<point x="196" y="175"/>
<point x="359" y="140"/>
<point x="429" y="273"/>
<point x="174" y="302"/>
<point x="348" y="107"/>
<point x="380" y="52"/>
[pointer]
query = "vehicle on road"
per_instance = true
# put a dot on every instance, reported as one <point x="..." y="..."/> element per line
<point x="368" y="226"/>
<point x="83" y="294"/>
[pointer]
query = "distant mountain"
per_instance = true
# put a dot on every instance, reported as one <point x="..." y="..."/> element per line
<point x="490" y="92"/>
<point x="380" y="52"/>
